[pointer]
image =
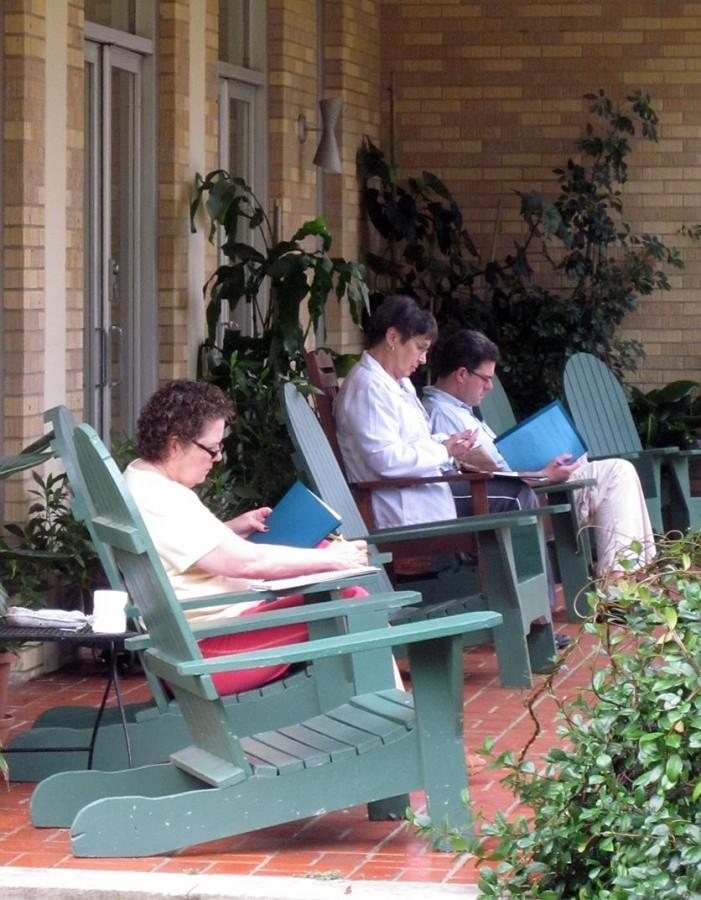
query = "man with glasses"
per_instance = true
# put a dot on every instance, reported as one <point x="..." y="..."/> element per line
<point x="615" y="507"/>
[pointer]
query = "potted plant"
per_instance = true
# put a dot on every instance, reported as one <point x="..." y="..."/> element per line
<point x="285" y="284"/>
<point x="33" y="455"/>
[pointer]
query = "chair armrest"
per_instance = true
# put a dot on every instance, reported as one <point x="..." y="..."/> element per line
<point x="377" y="638"/>
<point x="414" y="481"/>
<point x="565" y="487"/>
<point x="248" y="596"/>
<point x="689" y="452"/>
<point x="315" y="612"/>
<point x="466" y="525"/>
<point x="639" y="454"/>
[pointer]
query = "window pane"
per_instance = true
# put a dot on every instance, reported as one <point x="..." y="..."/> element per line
<point x="234" y="32"/>
<point x="119" y="14"/>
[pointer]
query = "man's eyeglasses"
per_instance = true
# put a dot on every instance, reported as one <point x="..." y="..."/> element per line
<point x="487" y="379"/>
<point x="213" y="452"/>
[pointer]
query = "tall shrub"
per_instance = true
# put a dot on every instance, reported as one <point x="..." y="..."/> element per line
<point x="286" y="285"/>
<point x="568" y="282"/>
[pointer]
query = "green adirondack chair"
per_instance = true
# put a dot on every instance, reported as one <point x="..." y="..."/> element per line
<point x="570" y="542"/>
<point x="375" y="746"/>
<point x="600" y="410"/>
<point x="156" y="728"/>
<point x="511" y="550"/>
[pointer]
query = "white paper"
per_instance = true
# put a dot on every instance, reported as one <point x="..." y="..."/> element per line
<point x="283" y="584"/>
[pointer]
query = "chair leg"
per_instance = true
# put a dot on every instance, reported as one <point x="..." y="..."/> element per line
<point x="573" y="562"/>
<point x="541" y="646"/>
<point x="392" y="808"/>
<point x="437" y="685"/>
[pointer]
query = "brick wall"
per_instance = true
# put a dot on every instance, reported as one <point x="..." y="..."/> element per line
<point x="173" y="176"/>
<point x="292" y="66"/>
<point x="351" y="70"/>
<point x="489" y="97"/>
<point x="23" y="235"/>
<point x="75" y="196"/>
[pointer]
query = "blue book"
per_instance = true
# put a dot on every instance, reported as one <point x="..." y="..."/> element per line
<point x="533" y="443"/>
<point x="299" y="519"/>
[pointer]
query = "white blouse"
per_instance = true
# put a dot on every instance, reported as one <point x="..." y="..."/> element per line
<point x="383" y="432"/>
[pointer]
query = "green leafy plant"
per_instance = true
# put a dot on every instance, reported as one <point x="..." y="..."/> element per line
<point x="615" y="808"/>
<point x="669" y="416"/>
<point x="258" y="468"/>
<point x="292" y="270"/>
<point x="569" y="281"/>
<point x="50" y="551"/>
<point x="273" y="278"/>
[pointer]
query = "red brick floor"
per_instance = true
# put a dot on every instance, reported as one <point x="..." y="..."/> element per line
<point x="336" y="845"/>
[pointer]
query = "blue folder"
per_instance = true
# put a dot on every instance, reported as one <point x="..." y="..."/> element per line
<point x="533" y="443"/>
<point x="299" y="519"/>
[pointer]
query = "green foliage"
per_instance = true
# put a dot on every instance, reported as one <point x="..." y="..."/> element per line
<point x="292" y="270"/>
<point x="615" y="807"/>
<point x="258" y="464"/>
<point x="50" y="550"/>
<point x="569" y="281"/>
<point x="274" y="278"/>
<point x="669" y="416"/>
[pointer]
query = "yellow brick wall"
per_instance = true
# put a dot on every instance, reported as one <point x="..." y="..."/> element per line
<point x="212" y="110"/>
<point x="24" y="35"/>
<point x="351" y="70"/>
<point x="489" y="97"/>
<point x="75" y="196"/>
<point x="292" y="85"/>
<point x="173" y="175"/>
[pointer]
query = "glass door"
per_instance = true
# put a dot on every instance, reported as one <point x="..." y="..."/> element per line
<point x="113" y="234"/>
<point x="240" y="153"/>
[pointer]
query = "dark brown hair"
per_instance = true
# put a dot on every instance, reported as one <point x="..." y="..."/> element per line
<point x="403" y="313"/>
<point x="179" y="409"/>
<point x="463" y="348"/>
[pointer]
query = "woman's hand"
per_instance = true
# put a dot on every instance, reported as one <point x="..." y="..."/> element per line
<point x="459" y="444"/>
<point x="560" y="468"/>
<point x="346" y="554"/>
<point x="253" y="520"/>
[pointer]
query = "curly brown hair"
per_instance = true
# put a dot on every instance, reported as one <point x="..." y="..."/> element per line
<point x="179" y="409"/>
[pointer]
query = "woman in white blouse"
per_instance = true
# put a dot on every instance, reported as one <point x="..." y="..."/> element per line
<point x="383" y="429"/>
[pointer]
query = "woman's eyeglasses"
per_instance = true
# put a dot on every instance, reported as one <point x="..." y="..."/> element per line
<point x="213" y="452"/>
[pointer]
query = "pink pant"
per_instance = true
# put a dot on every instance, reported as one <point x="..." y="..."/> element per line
<point x="246" y="679"/>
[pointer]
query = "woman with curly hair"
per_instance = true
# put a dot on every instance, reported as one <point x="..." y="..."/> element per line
<point x="179" y="438"/>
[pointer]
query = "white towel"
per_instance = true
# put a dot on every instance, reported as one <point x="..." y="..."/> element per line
<point x="66" y="619"/>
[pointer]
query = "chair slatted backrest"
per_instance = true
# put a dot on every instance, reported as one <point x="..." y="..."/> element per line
<point x="599" y="407"/>
<point x="322" y="374"/>
<point x="495" y="408"/>
<point x="322" y="469"/>
<point x="63" y="424"/>
<point x="118" y="523"/>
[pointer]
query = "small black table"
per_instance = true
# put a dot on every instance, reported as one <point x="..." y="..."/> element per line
<point x="111" y="644"/>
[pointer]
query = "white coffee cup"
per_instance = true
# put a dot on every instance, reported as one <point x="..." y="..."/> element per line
<point x="109" y="612"/>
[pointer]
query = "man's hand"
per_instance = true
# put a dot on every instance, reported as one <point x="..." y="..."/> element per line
<point x="560" y="468"/>
<point x="459" y="444"/>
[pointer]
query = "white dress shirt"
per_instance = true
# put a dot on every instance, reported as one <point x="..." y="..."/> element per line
<point x="383" y="432"/>
<point x="449" y="414"/>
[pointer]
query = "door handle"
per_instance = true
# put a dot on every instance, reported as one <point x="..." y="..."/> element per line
<point x="103" y="350"/>
<point x="116" y="331"/>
